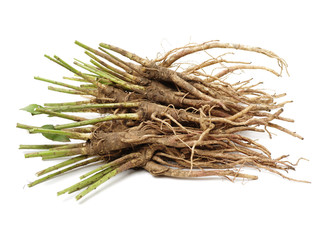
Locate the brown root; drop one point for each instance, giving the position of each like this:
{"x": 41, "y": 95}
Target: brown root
{"x": 175, "y": 123}
{"x": 172, "y": 56}
{"x": 160, "y": 170}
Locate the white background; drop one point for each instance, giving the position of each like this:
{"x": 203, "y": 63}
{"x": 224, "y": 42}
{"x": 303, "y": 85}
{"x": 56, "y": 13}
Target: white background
{"x": 135, "y": 204}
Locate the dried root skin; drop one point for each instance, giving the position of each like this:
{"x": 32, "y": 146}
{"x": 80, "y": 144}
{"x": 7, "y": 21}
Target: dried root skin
{"x": 172, "y": 56}
{"x": 160, "y": 170}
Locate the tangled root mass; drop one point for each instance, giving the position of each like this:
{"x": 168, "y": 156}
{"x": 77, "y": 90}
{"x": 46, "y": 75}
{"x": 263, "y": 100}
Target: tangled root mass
{"x": 171, "y": 121}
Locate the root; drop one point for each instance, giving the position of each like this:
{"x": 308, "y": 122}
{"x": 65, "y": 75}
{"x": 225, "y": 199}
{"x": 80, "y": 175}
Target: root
{"x": 172, "y": 56}
{"x": 160, "y": 170}
{"x": 240, "y": 67}
{"x": 175, "y": 123}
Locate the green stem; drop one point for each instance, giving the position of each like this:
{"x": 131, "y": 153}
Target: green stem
{"x": 96, "y": 170}
{"x": 75, "y": 79}
{"x": 122, "y": 83}
{"x": 66, "y": 103}
{"x": 87, "y": 77}
{"x": 67, "y": 146}
{"x": 85, "y": 183}
{"x": 62, "y": 171}
{"x": 62, "y": 164}
{"x": 61, "y": 115}
{"x": 54, "y": 60}
{"x": 46, "y": 146}
{"x": 88, "y": 86}
{"x": 108, "y": 68}
{"x": 135, "y": 79}
{"x": 70, "y": 68}
{"x": 55, "y": 153}
{"x": 68, "y": 108}
{"x": 73, "y": 135}
{"x": 102, "y": 68}
{"x": 110, "y": 73}
{"x": 130, "y": 116}
{"x": 23, "y": 126}
{"x": 97, "y": 184}
{"x": 66, "y": 65}
{"x": 63, "y": 84}
{"x": 90, "y": 75}
{"x": 95, "y": 70}
{"x": 107, "y": 57}
{"x": 68, "y": 91}
{"x": 115, "y": 163}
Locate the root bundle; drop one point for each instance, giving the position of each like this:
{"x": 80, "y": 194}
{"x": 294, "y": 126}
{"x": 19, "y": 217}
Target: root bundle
{"x": 156, "y": 115}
